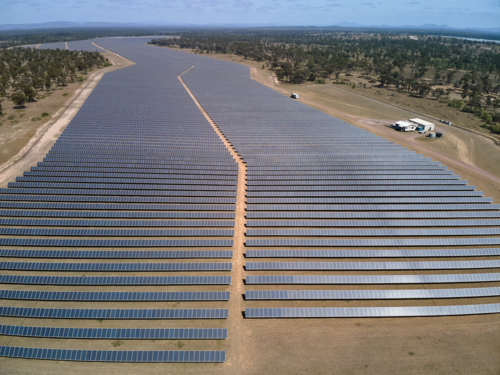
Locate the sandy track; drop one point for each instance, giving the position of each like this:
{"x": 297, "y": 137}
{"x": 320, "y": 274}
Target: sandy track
{"x": 235, "y": 356}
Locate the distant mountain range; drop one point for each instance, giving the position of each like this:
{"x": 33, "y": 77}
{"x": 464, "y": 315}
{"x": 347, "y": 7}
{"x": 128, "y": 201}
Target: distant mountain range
{"x": 64, "y": 24}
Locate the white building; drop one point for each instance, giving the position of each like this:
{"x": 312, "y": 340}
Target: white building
{"x": 422, "y": 124}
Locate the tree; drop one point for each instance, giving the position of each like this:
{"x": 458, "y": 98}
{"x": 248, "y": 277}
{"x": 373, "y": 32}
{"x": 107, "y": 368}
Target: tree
{"x": 48, "y": 83}
{"x": 438, "y": 93}
{"x": 29, "y": 93}
{"x": 18, "y": 98}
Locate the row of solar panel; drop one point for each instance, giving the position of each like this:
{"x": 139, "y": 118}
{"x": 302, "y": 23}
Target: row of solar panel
{"x": 427, "y": 253}
{"x": 375, "y": 266}
{"x": 374, "y": 207}
{"x": 373, "y": 215}
{"x": 116, "y": 254}
{"x": 439, "y": 175}
{"x": 138, "y": 181}
{"x": 112, "y": 243}
{"x": 419, "y": 193}
{"x": 115, "y": 267}
{"x": 366, "y": 243}
{"x": 125, "y": 223}
{"x": 354, "y": 187}
{"x": 113, "y": 355}
{"x": 370, "y": 294}
{"x": 118, "y": 199}
{"x": 370, "y": 312}
{"x": 365, "y": 232}
{"x": 117, "y": 333}
{"x": 363, "y": 223}
{"x": 115, "y": 280}
{"x": 371, "y": 279}
{"x": 350, "y": 200}
{"x": 130, "y": 172}
{"x": 125, "y": 215}
{"x": 113, "y": 296}
{"x": 57, "y": 185}
{"x": 123, "y": 206}
{"x": 141, "y": 163}
{"x": 117, "y": 232}
{"x": 364, "y": 180}
{"x": 150, "y": 194}
{"x": 112, "y": 314}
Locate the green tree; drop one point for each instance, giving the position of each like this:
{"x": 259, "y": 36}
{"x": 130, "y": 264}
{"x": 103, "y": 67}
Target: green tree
{"x": 438, "y": 93}
{"x": 18, "y": 98}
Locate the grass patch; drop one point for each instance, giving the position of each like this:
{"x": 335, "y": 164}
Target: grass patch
{"x": 36, "y": 118}
{"x": 117, "y": 343}
{"x": 411, "y": 353}
{"x": 180, "y": 344}
{"x": 65, "y": 94}
{"x": 11, "y": 117}
{"x": 15, "y": 121}
{"x": 41, "y": 97}
{"x": 45, "y": 114}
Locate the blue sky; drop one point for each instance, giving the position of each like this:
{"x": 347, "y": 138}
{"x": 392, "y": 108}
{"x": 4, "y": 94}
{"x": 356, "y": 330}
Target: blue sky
{"x": 454, "y": 13}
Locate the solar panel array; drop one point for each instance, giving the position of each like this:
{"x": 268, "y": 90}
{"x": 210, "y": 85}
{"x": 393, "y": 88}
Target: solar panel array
{"x": 138, "y": 179}
{"x": 319, "y": 187}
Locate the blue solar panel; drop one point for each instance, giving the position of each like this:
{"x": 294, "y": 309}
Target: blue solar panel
{"x": 113, "y": 355}
{"x": 114, "y": 314}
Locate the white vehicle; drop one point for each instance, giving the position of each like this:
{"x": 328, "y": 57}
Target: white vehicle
{"x": 294, "y": 96}
{"x": 422, "y": 131}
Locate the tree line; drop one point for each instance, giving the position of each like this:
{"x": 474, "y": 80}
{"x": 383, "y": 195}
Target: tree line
{"x": 389, "y": 59}
{"x": 24, "y": 71}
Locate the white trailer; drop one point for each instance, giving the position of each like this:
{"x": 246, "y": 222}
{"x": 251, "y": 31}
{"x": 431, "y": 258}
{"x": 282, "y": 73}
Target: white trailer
{"x": 404, "y": 126}
{"x": 422, "y": 125}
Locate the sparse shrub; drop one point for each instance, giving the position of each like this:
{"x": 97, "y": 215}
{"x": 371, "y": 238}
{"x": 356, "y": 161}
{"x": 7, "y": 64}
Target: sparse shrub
{"x": 65, "y": 94}
{"x": 45, "y": 114}
{"x": 36, "y": 118}
{"x": 11, "y": 117}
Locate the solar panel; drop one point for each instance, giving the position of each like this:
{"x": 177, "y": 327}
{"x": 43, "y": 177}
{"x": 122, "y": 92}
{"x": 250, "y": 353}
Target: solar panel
{"x": 118, "y": 223}
{"x": 116, "y": 267}
{"x": 113, "y": 243}
{"x": 369, "y": 223}
{"x": 471, "y": 241}
{"x": 372, "y": 279}
{"x": 117, "y": 232}
{"x": 370, "y": 312}
{"x": 117, "y": 333}
{"x": 116, "y": 254}
{"x": 114, "y": 314}
{"x": 113, "y": 355}
{"x": 423, "y": 253}
{"x": 370, "y": 294}
{"x": 115, "y": 280}
{"x": 283, "y": 266}
{"x": 113, "y": 296}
